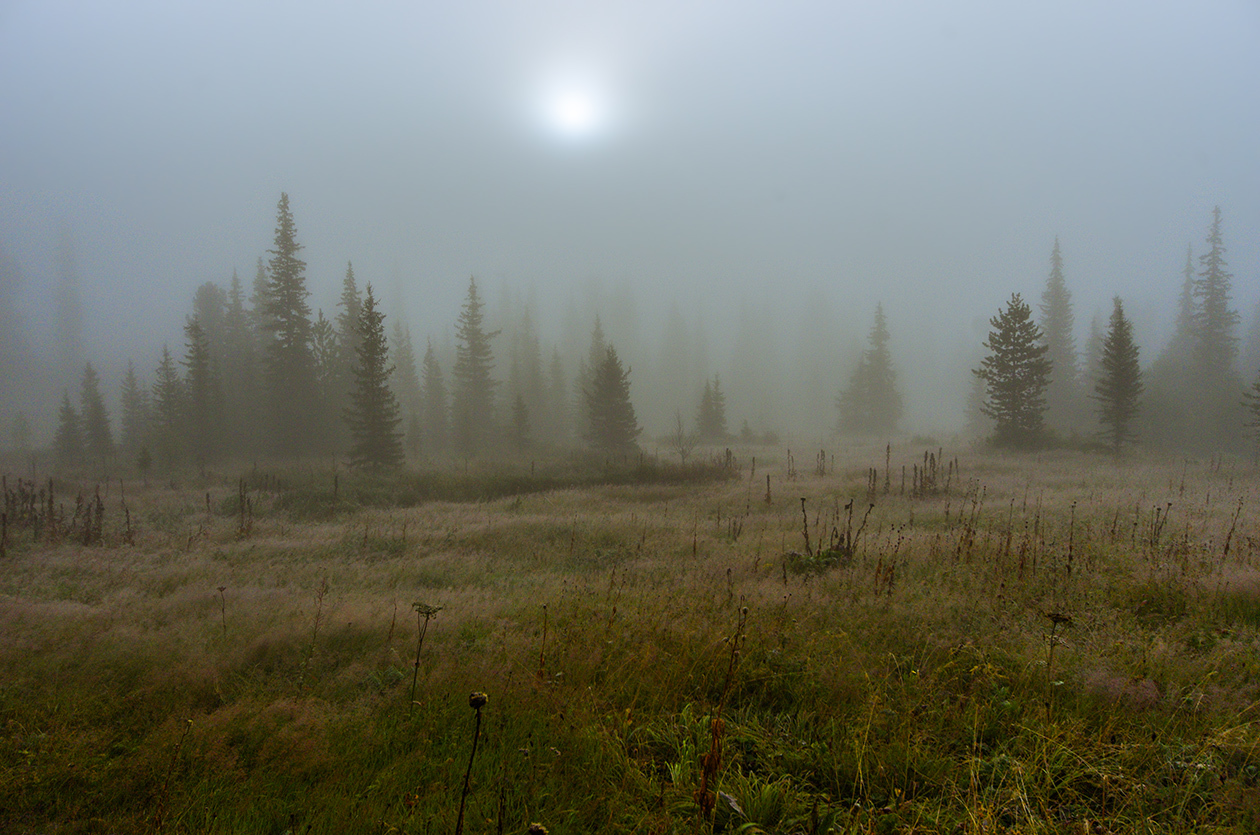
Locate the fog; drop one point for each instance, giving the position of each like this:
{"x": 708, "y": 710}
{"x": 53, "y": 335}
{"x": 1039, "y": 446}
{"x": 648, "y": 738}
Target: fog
{"x": 745, "y": 179}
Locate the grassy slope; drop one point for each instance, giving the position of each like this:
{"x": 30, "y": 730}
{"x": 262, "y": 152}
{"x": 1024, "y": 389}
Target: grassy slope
{"x": 905, "y": 684}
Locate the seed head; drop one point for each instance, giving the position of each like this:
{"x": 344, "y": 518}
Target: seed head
{"x": 478, "y": 700}
{"x": 537, "y": 829}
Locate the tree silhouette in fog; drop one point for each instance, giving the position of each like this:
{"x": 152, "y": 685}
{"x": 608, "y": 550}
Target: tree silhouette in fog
{"x": 610, "y": 419}
{"x": 472, "y": 387}
{"x": 1016, "y": 373}
{"x": 286, "y": 318}
{"x": 871, "y": 403}
{"x": 1119, "y": 385}
{"x": 373, "y": 414}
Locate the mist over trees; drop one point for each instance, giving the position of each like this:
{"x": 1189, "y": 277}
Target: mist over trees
{"x": 264, "y": 372}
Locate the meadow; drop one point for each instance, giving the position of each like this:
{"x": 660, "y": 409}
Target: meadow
{"x": 904, "y": 639}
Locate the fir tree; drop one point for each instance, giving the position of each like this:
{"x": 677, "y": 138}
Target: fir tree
{"x": 202, "y": 422}
{"x": 434, "y": 400}
{"x": 595, "y": 355}
{"x": 239, "y": 375}
{"x": 1167, "y": 417}
{"x": 872, "y": 403}
{"x": 405, "y": 382}
{"x": 1216, "y": 381}
{"x": 327, "y": 426}
{"x": 711, "y": 414}
{"x": 472, "y": 400}
{"x": 98, "y": 441}
{"x": 348, "y": 319}
{"x": 290, "y": 366}
{"x": 373, "y": 415}
{"x": 68, "y": 442}
{"x": 1016, "y": 373}
{"x": 1120, "y": 382}
{"x": 610, "y": 418}
{"x": 168, "y": 412}
{"x": 1057, "y": 327}
{"x": 135, "y": 412}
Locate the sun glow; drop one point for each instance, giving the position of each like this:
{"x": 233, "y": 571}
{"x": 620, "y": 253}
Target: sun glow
{"x": 574, "y": 113}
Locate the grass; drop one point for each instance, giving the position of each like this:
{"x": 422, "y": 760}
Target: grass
{"x": 189, "y": 675}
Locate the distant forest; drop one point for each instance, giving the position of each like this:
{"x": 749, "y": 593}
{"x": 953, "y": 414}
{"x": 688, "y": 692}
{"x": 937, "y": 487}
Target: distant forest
{"x": 259, "y": 374}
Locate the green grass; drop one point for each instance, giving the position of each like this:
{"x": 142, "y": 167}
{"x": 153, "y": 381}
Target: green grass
{"x": 908, "y": 687}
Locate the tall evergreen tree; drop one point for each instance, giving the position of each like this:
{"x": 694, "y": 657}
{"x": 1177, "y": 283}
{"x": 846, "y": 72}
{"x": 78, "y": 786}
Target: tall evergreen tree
{"x": 98, "y": 440}
{"x": 290, "y": 364}
{"x": 68, "y": 442}
{"x": 1015, "y": 372}
{"x": 135, "y": 412}
{"x": 239, "y": 375}
{"x": 596, "y": 352}
{"x": 1119, "y": 386}
{"x": 168, "y": 412}
{"x": 872, "y": 403}
{"x": 472, "y": 395}
{"x": 373, "y": 415}
{"x": 202, "y": 399}
{"x": 1168, "y": 412}
{"x": 610, "y": 419}
{"x": 328, "y": 429}
{"x": 711, "y": 414}
{"x": 1063, "y": 396}
{"x": 405, "y": 382}
{"x": 434, "y": 400}
{"x": 1216, "y": 380}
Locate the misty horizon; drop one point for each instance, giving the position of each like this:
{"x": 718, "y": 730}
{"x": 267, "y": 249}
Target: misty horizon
{"x": 773, "y": 173}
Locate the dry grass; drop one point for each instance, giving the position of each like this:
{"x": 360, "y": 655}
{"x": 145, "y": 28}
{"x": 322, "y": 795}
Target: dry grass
{"x": 904, "y": 687}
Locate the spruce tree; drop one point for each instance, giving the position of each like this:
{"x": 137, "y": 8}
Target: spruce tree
{"x": 711, "y": 413}
{"x": 595, "y": 355}
{"x": 610, "y": 419}
{"x": 472, "y": 387}
{"x": 1215, "y": 379}
{"x": 407, "y": 387}
{"x": 434, "y": 400}
{"x": 68, "y": 442}
{"x": 872, "y": 403}
{"x": 1058, "y": 327}
{"x": 373, "y": 415}
{"x": 287, "y": 319}
{"x": 328, "y": 429}
{"x": 1016, "y": 373}
{"x": 168, "y": 412}
{"x": 135, "y": 412}
{"x": 239, "y": 375}
{"x": 1168, "y": 412}
{"x": 1119, "y": 386}
{"x": 98, "y": 441}
{"x": 202, "y": 399}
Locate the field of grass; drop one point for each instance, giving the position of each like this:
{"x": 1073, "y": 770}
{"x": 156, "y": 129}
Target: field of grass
{"x": 891, "y": 641}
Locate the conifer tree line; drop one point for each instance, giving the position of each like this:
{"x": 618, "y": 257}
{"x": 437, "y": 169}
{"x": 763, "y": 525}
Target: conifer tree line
{"x": 261, "y": 373}
{"x": 268, "y": 377}
{"x": 1034, "y": 390}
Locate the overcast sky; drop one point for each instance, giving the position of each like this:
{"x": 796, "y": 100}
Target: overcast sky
{"x": 924, "y": 154}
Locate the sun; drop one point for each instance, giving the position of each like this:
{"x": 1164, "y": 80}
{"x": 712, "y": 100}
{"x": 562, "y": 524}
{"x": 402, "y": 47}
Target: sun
{"x": 574, "y": 113}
